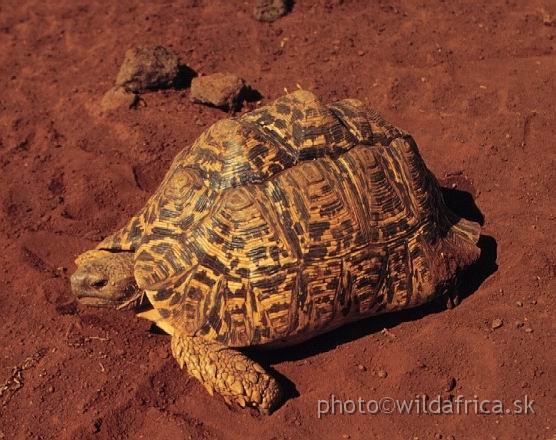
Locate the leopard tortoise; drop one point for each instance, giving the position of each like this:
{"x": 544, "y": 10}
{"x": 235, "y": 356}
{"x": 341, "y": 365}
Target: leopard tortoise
{"x": 277, "y": 226}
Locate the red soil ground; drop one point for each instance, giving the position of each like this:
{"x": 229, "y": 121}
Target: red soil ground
{"x": 474, "y": 82}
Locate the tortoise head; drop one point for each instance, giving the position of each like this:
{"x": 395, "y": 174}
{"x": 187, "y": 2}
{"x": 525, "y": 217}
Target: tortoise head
{"x": 105, "y": 279}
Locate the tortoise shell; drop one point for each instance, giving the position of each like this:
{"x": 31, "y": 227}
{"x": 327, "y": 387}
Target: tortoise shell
{"x": 292, "y": 220}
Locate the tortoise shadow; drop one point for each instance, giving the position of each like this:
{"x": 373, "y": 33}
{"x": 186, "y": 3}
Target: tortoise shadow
{"x": 462, "y": 204}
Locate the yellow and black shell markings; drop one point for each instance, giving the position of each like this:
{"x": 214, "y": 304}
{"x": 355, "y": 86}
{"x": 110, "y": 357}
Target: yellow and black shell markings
{"x": 292, "y": 220}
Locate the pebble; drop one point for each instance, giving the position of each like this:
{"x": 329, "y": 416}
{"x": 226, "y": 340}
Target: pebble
{"x": 118, "y": 97}
{"x": 361, "y": 367}
{"x": 528, "y": 330}
{"x": 388, "y": 333}
{"x": 497, "y": 323}
{"x": 148, "y": 68}
{"x": 519, "y": 303}
{"x": 519, "y": 324}
{"x": 223, "y": 90}
{"x": 382, "y": 374}
{"x": 547, "y": 19}
{"x": 270, "y": 10}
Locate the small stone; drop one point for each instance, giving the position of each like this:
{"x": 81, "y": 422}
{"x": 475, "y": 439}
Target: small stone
{"x": 361, "y": 367}
{"x": 118, "y": 97}
{"x": 519, "y": 303}
{"x": 50, "y": 389}
{"x": 270, "y": 10}
{"x": 528, "y": 330}
{"x": 497, "y": 323}
{"x": 450, "y": 384}
{"x": 519, "y": 324}
{"x": 219, "y": 89}
{"x": 547, "y": 19}
{"x": 360, "y": 53}
{"x": 148, "y": 68}
{"x": 382, "y": 374}
{"x": 346, "y": 436}
{"x": 388, "y": 333}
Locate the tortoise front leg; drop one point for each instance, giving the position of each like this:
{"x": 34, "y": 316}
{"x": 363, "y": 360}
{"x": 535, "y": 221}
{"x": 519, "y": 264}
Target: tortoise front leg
{"x": 227, "y": 372}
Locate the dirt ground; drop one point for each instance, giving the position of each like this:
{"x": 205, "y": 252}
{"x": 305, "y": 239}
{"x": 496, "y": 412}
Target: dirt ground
{"x": 474, "y": 82}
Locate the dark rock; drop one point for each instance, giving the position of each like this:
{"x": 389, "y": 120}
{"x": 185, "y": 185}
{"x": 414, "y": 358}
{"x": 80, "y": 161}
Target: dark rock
{"x": 148, "y": 68}
{"x": 270, "y": 10}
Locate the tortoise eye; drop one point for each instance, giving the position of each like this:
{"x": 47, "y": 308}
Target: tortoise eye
{"x": 99, "y": 284}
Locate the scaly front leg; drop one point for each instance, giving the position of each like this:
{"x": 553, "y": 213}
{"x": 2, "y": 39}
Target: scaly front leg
{"x": 227, "y": 372}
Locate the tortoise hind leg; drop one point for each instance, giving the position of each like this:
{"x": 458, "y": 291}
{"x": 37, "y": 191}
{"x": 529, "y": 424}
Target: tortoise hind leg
{"x": 459, "y": 251}
{"x": 227, "y": 372}
{"x": 466, "y": 234}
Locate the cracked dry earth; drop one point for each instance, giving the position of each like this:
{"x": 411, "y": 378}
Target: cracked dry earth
{"x": 473, "y": 81}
